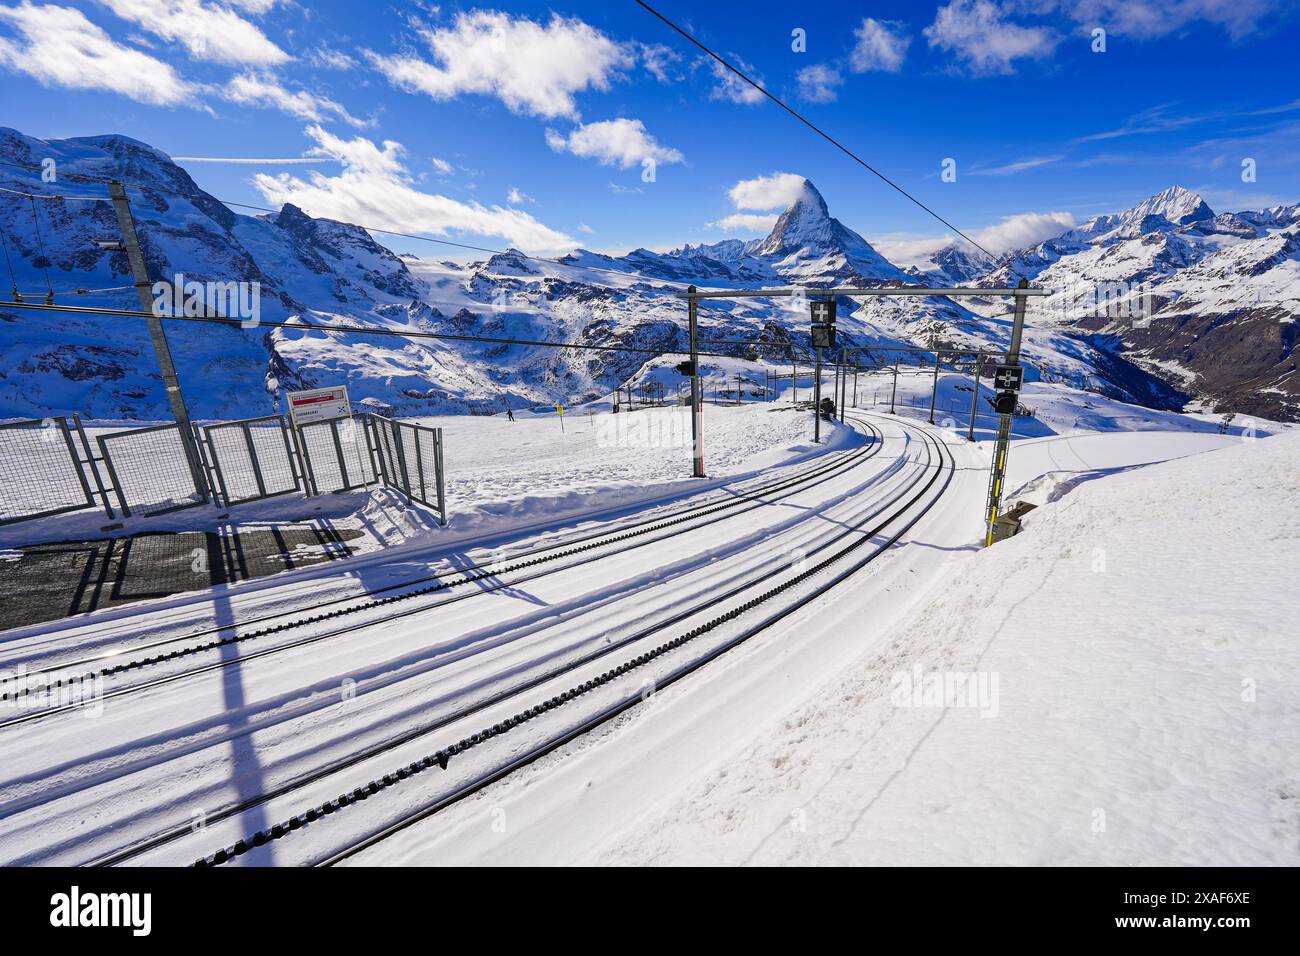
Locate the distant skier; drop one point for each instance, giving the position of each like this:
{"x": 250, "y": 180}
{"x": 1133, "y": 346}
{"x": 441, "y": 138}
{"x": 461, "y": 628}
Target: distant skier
{"x": 510, "y": 414}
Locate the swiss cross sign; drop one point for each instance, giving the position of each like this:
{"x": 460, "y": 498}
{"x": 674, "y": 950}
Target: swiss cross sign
{"x": 823, "y": 313}
{"x": 318, "y": 404}
{"x": 1008, "y": 378}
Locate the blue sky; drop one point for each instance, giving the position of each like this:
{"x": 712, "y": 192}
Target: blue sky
{"x": 525, "y": 124}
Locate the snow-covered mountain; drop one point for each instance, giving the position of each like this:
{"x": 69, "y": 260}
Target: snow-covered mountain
{"x": 331, "y": 274}
{"x": 1206, "y": 301}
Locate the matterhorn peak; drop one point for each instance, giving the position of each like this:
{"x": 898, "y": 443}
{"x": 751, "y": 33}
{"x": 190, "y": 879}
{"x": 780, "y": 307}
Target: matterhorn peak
{"x": 806, "y": 221}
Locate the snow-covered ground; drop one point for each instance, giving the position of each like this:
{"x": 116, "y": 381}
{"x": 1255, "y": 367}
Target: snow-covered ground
{"x": 1128, "y": 657}
{"x": 1122, "y": 690}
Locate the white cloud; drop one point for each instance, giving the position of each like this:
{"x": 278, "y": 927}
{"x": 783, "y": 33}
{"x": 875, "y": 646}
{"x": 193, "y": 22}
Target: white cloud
{"x": 1019, "y": 166}
{"x": 583, "y": 227}
{"x": 618, "y": 142}
{"x": 249, "y": 89}
{"x": 746, "y": 222}
{"x": 882, "y": 45}
{"x": 375, "y": 188}
{"x": 761, "y": 196}
{"x": 1023, "y": 229}
{"x": 662, "y": 62}
{"x": 517, "y": 197}
{"x": 441, "y": 165}
{"x": 976, "y": 31}
{"x": 208, "y": 31}
{"x": 1147, "y": 19}
{"x": 60, "y": 47}
{"x": 1013, "y": 232}
{"x": 533, "y": 69}
{"x": 817, "y": 83}
{"x": 767, "y": 192}
{"x": 331, "y": 59}
{"x": 732, "y": 88}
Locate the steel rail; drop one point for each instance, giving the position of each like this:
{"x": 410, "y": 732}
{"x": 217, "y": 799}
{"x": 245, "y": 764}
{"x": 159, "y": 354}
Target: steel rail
{"x": 282, "y": 829}
{"x": 492, "y": 568}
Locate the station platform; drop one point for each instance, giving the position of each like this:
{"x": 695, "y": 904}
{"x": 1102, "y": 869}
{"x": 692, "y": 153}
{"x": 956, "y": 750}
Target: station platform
{"x": 47, "y": 582}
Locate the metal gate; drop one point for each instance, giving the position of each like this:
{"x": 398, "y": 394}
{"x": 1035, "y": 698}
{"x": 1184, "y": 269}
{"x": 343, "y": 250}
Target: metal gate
{"x": 150, "y": 470}
{"x": 336, "y": 455}
{"x": 410, "y": 460}
{"x": 250, "y": 459}
{"x": 40, "y": 471}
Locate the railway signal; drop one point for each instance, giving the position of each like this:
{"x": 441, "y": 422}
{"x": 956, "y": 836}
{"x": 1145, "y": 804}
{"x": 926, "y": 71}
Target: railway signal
{"x": 823, "y": 324}
{"x": 1008, "y": 376}
{"x": 823, "y": 337}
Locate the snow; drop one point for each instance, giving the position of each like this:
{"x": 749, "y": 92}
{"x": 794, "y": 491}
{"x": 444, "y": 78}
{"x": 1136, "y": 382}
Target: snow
{"x": 505, "y": 476}
{"x": 1143, "y": 708}
{"x": 1109, "y": 641}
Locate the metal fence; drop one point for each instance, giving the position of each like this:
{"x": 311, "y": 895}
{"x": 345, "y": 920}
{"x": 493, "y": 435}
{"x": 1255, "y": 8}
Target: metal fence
{"x": 410, "y": 460}
{"x": 337, "y": 455}
{"x": 40, "y": 470}
{"x": 250, "y": 459}
{"x": 46, "y": 469}
{"x": 150, "y": 471}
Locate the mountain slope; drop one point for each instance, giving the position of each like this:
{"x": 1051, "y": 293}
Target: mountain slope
{"x": 333, "y": 274}
{"x": 1207, "y": 302}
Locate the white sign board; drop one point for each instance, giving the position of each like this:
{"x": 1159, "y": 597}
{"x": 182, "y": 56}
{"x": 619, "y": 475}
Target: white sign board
{"x": 319, "y": 404}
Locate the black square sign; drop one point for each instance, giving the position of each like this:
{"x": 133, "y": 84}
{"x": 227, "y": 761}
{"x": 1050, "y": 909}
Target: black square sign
{"x": 1008, "y": 378}
{"x": 823, "y": 312}
{"x": 823, "y": 336}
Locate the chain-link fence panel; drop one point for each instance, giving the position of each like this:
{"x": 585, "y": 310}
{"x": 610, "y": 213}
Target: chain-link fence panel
{"x": 40, "y": 471}
{"x": 150, "y": 470}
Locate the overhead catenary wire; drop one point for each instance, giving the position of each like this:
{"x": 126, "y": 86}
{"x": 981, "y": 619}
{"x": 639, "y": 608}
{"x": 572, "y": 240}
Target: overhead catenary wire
{"x": 355, "y": 329}
{"x": 373, "y": 229}
{"x": 813, "y": 126}
{"x": 52, "y": 197}
{"x": 36, "y": 223}
{"x": 86, "y": 177}
{"x": 9, "y": 264}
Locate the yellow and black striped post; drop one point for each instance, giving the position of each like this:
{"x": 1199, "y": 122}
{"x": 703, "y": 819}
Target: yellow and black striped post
{"x": 998, "y": 468}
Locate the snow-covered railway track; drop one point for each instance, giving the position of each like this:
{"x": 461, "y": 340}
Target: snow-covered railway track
{"x": 579, "y": 705}
{"x": 46, "y": 651}
{"x": 374, "y": 608}
{"x": 83, "y": 787}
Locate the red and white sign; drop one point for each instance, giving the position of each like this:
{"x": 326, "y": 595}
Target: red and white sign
{"x": 319, "y": 404}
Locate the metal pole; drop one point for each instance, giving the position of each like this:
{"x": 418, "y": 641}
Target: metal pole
{"x": 975, "y": 393}
{"x": 794, "y": 382}
{"x": 835, "y": 380}
{"x": 817, "y": 400}
{"x": 697, "y": 397}
{"x": 143, "y": 291}
{"x": 893, "y": 393}
{"x": 934, "y": 391}
{"x": 998, "y": 470}
{"x": 844, "y": 383}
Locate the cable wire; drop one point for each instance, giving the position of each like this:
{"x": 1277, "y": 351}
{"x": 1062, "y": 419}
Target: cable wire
{"x": 36, "y": 222}
{"x": 815, "y": 128}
